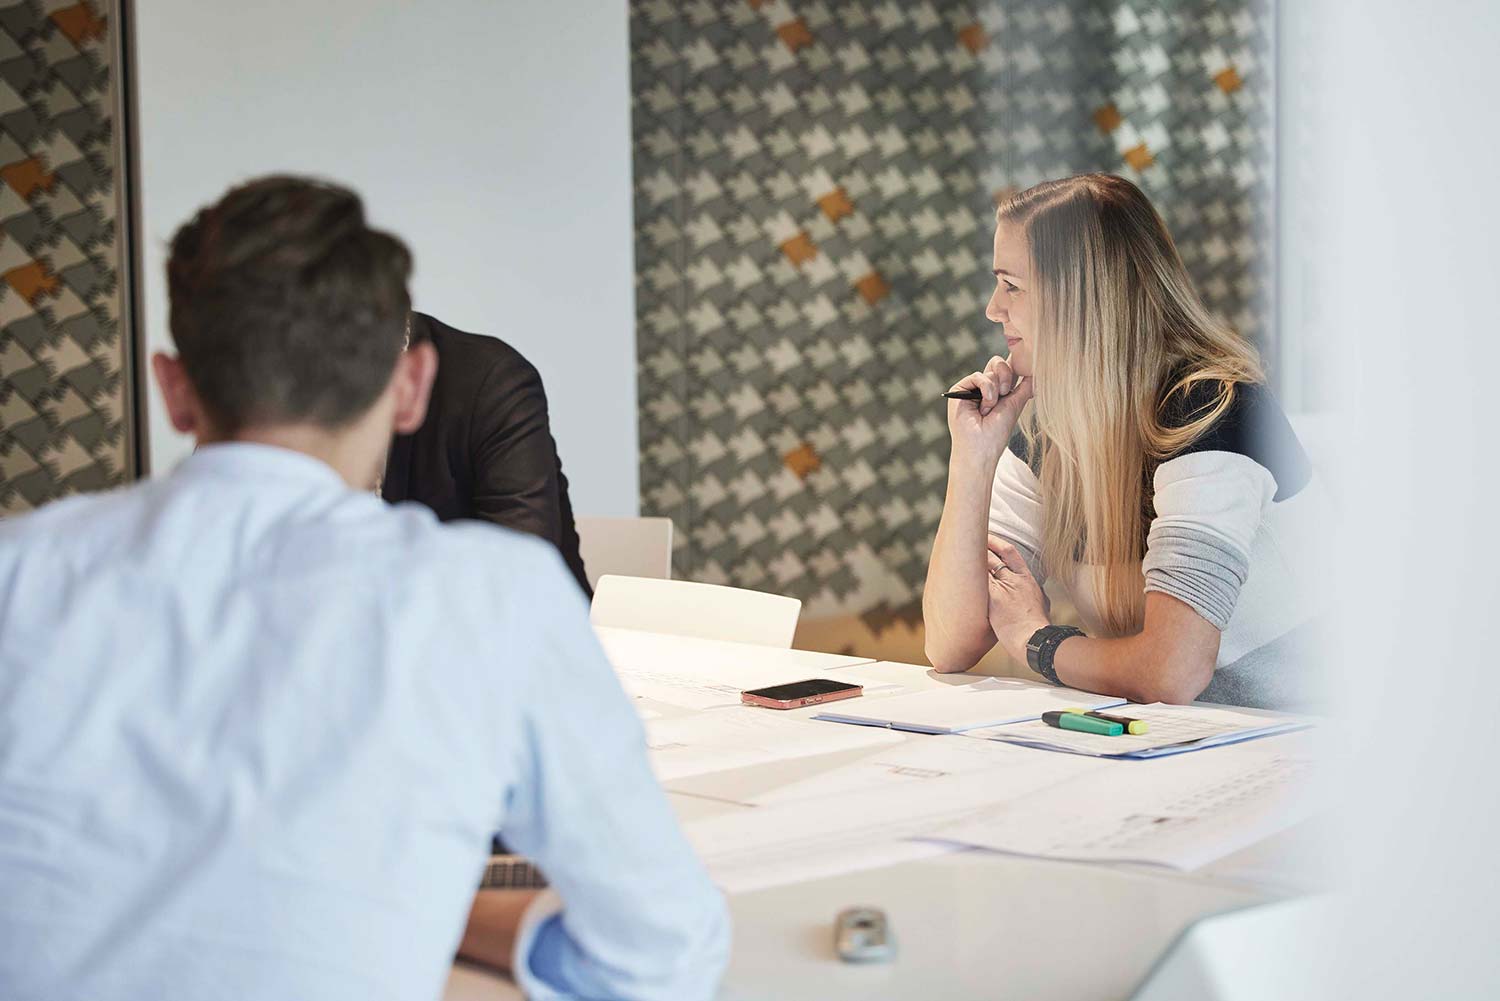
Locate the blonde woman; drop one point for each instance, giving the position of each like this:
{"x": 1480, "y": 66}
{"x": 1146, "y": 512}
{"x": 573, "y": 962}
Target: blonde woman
{"x": 1153, "y": 475}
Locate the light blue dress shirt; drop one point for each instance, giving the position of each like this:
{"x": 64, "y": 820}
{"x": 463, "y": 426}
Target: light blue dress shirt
{"x": 257, "y": 728}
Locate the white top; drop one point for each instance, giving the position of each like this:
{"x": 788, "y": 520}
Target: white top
{"x": 256, "y": 732}
{"x": 1236, "y": 535}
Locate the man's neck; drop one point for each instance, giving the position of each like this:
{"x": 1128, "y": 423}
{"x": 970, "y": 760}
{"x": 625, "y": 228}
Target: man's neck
{"x": 357, "y": 454}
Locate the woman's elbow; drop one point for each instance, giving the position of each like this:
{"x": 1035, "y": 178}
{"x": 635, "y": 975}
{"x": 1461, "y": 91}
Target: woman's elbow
{"x": 943, "y": 662}
{"x": 948, "y": 667}
{"x": 944, "y": 658}
{"x": 1180, "y": 684}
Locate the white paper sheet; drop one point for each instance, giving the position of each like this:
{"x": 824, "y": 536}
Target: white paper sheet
{"x": 990, "y": 702}
{"x": 682, "y": 690}
{"x": 722, "y": 739}
{"x": 1182, "y": 812}
{"x": 890, "y": 769}
{"x": 1174, "y": 730}
{"x": 844, "y": 830}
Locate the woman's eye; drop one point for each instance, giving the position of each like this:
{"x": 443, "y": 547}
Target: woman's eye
{"x": 1011, "y": 288}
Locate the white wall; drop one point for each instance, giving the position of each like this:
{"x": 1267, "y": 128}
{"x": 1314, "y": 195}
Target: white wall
{"x": 494, "y": 137}
{"x": 1401, "y": 129}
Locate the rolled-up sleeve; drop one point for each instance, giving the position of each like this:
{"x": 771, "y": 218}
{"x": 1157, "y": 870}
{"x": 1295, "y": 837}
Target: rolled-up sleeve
{"x": 632, "y": 913}
{"x": 1209, "y": 506}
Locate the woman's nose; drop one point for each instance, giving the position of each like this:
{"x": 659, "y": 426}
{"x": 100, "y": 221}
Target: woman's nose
{"x": 996, "y": 310}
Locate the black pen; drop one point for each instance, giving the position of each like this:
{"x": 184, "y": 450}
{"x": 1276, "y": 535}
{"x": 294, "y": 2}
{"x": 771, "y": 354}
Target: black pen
{"x": 971, "y": 394}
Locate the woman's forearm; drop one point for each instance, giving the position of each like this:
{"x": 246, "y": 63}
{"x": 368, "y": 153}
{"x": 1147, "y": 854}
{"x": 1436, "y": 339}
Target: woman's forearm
{"x": 1170, "y": 660}
{"x": 955, "y": 602}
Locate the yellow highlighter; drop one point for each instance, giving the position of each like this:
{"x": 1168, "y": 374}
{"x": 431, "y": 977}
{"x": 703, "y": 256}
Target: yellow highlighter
{"x": 1134, "y": 727}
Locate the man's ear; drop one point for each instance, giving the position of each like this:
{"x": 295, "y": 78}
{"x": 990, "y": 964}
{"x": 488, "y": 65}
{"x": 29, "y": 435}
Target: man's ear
{"x": 183, "y": 407}
{"x": 415, "y": 370}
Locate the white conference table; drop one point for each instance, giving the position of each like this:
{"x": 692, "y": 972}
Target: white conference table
{"x": 967, "y": 924}
{"x": 690, "y": 655}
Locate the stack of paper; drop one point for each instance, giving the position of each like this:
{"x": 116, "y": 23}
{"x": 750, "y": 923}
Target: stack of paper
{"x": 991, "y": 702}
{"x": 1173, "y": 730}
{"x": 1181, "y": 812}
{"x": 867, "y": 826}
{"x": 721, "y": 739}
{"x": 892, "y": 770}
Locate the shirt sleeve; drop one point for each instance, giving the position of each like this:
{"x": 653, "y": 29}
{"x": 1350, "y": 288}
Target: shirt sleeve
{"x": 518, "y": 481}
{"x": 632, "y": 913}
{"x": 1016, "y": 510}
{"x": 1209, "y": 506}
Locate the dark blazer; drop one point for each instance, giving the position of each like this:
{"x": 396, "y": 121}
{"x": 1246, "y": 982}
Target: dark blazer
{"x": 485, "y": 450}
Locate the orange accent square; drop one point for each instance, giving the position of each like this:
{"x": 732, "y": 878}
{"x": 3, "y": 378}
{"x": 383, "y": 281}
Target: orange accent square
{"x": 795, "y": 34}
{"x": 1139, "y": 157}
{"x": 1108, "y": 118}
{"x": 836, "y": 205}
{"x": 79, "y": 23}
{"x": 973, "y": 38}
{"x": 25, "y": 176}
{"x": 756, "y": 4}
{"x": 803, "y": 461}
{"x": 873, "y": 287}
{"x": 799, "y": 248}
{"x": 32, "y": 281}
{"x": 1229, "y": 80}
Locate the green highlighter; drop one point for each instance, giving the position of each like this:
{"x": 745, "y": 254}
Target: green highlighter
{"x": 1083, "y": 724}
{"x": 1134, "y": 727}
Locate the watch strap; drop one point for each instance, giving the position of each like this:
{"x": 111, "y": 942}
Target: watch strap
{"x": 1043, "y": 645}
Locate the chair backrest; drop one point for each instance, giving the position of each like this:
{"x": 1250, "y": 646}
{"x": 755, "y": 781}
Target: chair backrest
{"x": 633, "y": 547}
{"x": 686, "y": 608}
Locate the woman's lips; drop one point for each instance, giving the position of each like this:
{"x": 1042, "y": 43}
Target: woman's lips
{"x": 1012, "y": 341}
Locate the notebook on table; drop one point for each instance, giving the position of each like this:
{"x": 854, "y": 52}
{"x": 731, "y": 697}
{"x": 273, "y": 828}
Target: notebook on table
{"x": 511, "y": 872}
{"x": 1173, "y": 730}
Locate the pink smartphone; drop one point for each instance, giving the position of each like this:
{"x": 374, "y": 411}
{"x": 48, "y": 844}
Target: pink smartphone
{"x": 801, "y": 693}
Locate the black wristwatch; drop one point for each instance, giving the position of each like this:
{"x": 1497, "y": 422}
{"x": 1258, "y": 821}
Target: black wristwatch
{"x": 1043, "y": 644}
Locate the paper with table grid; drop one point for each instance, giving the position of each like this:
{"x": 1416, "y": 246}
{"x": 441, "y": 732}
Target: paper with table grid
{"x": 1180, "y": 812}
{"x": 1174, "y": 730}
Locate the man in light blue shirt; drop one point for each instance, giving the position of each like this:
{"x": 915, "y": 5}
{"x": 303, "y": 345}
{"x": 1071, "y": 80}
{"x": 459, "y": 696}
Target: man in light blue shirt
{"x": 257, "y": 727}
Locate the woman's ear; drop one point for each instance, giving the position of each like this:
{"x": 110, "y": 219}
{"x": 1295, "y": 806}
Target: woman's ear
{"x": 183, "y": 407}
{"x": 415, "y": 370}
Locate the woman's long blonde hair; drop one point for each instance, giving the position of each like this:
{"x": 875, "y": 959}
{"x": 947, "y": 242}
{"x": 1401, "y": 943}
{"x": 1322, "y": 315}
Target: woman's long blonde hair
{"x": 1119, "y": 334}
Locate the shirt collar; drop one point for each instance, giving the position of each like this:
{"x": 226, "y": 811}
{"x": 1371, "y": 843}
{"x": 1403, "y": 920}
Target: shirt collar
{"x": 254, "y": 462}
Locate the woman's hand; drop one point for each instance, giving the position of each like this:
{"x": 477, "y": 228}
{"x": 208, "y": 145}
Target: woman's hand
{"x": 1018, "y": 606}
{"x": 982, "y": 428}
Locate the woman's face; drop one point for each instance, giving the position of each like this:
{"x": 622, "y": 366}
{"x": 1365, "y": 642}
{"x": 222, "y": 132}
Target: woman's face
{"x": 1011, "y": 305}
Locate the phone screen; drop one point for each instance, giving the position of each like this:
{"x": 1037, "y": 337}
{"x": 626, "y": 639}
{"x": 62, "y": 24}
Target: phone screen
{"x": 802, "y": 689}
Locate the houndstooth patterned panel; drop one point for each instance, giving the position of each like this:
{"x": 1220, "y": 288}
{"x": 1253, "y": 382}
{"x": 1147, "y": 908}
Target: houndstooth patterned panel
{"x": 815, "y": 187}
{"x": 61, "y": 353}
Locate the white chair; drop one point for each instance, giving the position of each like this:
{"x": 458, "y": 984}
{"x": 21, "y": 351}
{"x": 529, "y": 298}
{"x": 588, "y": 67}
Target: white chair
{"x": 633, "y": 547}
{"x": 686, "y": 608}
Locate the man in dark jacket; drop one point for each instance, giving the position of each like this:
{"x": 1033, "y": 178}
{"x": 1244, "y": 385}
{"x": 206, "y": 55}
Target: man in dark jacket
{"x": 485, "y": 450}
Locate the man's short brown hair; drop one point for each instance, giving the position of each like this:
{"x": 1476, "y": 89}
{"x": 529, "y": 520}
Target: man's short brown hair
{"x": 286, "y": 307}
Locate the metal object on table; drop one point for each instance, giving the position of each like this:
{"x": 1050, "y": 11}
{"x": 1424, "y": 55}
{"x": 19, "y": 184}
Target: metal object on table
{"x": 862, "y": 935}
